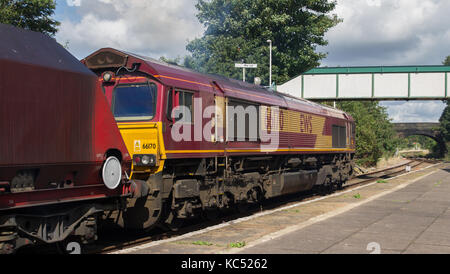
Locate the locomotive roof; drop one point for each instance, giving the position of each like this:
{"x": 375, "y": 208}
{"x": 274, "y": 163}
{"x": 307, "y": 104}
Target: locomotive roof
{"x": 170, "y": 68}
{"x": 34, "y": 48}
{"x": 182, "y": 77}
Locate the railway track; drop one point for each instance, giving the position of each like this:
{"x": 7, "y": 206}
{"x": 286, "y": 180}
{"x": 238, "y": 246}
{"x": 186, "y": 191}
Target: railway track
{"x": 114, "y": 239}
{"x": 273, "y": 204}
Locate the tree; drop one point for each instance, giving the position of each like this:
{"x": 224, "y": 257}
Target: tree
{"x": 444, "y": 127}
{"x": 171, "y": 61}
{"x": 238, "y": 30}
{"x": 424, "y": 142}
{"x": 447, "y": 61}
{"x": 29, "y": 14}
{"x": 444, "y": 121}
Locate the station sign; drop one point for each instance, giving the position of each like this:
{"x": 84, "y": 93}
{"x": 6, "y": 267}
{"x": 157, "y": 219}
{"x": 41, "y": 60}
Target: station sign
{"x": 246, "y": 65}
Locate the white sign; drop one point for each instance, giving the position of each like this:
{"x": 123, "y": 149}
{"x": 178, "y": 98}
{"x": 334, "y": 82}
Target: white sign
{"x": 246, "y": 65}
{"x": 137, "y": 145}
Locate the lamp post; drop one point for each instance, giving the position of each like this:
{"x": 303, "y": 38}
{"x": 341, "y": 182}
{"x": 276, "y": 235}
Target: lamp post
{"x": 270, "y": 64}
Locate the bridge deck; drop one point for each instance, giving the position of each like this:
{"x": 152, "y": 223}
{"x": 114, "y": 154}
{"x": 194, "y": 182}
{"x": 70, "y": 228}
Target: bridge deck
{"x": 408, "y": 129}
{"x": 371, "y": 83}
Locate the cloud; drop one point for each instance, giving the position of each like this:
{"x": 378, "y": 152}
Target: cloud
{"x": 74, "y": 3}
{"x": 392, "y": 33}
{"x": 153, "y": 28}
{"x": 389, "y": 32}
{"x": 415, "y": 111}
{"x": 374, "y": 32}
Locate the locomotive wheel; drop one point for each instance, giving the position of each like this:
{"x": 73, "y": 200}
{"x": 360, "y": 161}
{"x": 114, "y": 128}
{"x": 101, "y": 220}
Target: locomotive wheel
{"x": 143, "y": 213}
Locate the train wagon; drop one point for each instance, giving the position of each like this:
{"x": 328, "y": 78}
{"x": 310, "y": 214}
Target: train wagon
{"x": 62, "y": 157}
{"x": 203, "y": 143}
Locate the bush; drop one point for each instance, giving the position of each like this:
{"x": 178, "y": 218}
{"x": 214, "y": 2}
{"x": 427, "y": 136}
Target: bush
{"x": 375, "y": 135}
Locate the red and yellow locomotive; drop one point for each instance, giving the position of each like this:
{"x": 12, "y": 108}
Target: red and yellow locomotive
{"x": 201, "y": 143}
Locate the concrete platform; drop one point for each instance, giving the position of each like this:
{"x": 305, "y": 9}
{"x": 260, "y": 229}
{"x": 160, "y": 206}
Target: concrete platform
{"x": 408, "y": 214}
{"x": 415, "y": 219}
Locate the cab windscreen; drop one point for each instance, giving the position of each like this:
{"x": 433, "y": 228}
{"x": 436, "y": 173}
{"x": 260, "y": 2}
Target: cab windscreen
{"x": 134, "y": 102}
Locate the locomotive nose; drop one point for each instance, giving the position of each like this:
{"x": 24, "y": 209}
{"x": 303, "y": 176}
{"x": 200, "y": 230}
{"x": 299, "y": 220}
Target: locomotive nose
{"x": 145, "y": 146}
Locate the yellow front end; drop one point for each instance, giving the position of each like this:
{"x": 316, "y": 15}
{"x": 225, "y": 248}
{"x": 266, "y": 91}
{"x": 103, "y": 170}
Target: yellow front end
{"x": 144, "y": 140}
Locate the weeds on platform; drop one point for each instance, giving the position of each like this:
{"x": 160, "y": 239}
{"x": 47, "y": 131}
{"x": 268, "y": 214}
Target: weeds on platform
{"x": 382, "y": 182}
{"x": 237, "y": 245}
{"x": 202, "y": 243}
{"x": 357, "y": 196}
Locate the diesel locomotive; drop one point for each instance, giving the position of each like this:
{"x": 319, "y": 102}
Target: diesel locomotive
{"x": 203, "y": 143}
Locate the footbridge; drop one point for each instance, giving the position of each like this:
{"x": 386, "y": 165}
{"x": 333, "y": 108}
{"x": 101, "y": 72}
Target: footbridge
{"x": 371, "y": 83}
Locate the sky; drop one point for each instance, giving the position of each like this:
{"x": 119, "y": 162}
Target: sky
{"x": 373, "y": 33}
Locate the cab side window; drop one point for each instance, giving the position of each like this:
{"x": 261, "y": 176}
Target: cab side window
{"x": 185, "y": 100}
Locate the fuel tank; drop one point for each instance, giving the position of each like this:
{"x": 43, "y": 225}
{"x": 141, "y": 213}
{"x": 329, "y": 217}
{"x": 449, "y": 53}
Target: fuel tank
{"x": 287, "y": 183}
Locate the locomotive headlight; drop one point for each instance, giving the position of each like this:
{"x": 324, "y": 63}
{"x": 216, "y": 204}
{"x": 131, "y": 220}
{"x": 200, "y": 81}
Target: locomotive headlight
{"x": 107, "y": 76}
{"x": 144, "y": 160}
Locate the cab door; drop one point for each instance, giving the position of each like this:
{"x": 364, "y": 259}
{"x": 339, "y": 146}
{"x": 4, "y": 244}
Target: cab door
{"x": 219, "y": 119}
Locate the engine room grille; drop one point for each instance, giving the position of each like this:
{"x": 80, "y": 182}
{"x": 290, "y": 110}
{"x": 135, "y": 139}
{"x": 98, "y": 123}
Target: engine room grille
{"x": 339, "y": 137}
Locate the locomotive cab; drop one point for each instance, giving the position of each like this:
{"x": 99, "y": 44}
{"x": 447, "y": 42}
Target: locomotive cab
{"x": 134, "y": 102}
{"x": 135, "y": 98}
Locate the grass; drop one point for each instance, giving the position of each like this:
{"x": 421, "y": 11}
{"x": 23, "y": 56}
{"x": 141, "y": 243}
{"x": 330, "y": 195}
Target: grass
{"x": 438, "y": 183}
{"x": 237, "y": 245}
{"x": 382, "y": 182}
{"x": 357, "y": 196}
{"x": 202, "y": 243}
